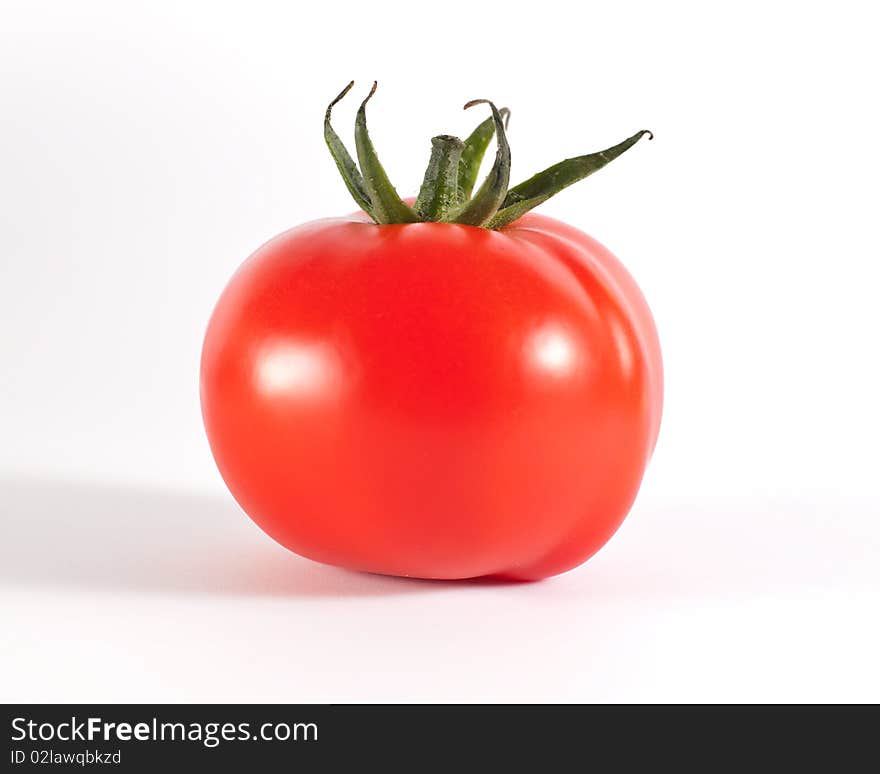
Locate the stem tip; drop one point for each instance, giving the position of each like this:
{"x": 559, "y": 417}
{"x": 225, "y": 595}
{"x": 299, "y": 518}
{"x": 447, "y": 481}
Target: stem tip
{"x": 370, "y": 95}
{"x": 339, "y": 97}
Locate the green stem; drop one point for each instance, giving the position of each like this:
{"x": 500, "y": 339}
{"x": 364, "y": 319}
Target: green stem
{"x": 387, "y": 206}
{"x": 445, "y": 193}
{"x": 539, "y": 188}
{"x": 486, "y": 201}
{"x": 438, "y": 195}
{"x": 351, "y": 176}
{"x": 474, "y": 150}
{"x": 553, "y": 179}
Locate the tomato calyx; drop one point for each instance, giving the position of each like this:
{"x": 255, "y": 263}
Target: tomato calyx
{"x": 446, "y": 191}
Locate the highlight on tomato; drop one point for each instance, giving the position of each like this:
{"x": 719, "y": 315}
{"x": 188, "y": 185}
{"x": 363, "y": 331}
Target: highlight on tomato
{"x": 447, "y": 387}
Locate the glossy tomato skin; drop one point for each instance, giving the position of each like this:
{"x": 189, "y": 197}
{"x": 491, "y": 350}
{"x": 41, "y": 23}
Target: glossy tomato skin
{"x": 434, "y": 400}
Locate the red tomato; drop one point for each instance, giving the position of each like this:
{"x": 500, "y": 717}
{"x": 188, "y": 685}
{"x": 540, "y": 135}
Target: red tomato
{"x": 434, "y": 400}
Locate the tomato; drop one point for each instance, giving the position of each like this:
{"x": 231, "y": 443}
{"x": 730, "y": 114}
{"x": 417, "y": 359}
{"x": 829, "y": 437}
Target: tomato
{"x": 444, "y": 387}
{"x": 434, "y": 400}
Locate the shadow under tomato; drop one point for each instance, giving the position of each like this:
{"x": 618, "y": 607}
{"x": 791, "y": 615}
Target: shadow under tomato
{"x": 57, "y": 536}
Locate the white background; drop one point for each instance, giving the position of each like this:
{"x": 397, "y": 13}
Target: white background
{"x": 147, "y": 148}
